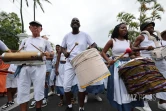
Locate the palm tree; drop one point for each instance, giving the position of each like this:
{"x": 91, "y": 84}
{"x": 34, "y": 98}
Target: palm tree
{"x": 22, "y": 21}
{"x": 129, "y": 19}
{"x": 156, "y": 8}
{"x": 155, "y": 11}
{"x": 134, "y": 23}
{"x": 35, "y": 6}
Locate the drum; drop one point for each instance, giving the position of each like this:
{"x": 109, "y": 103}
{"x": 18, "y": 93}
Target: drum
{"x": 89, "y": 67}
{"x": 22, "y": 57}
{"x": 141, "y": 76}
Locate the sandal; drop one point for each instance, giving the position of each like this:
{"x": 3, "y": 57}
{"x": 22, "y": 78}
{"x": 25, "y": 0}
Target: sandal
{"x": 60, "y": 103}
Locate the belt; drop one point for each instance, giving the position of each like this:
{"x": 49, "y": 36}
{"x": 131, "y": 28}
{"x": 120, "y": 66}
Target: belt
{"x": 62, "y": 62}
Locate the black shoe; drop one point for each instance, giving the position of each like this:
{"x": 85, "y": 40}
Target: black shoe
{"x": 7, "y": 105}
{"x": 81, "y": 110}
{"x": 12, "y": 102}
{"x": 69, "y": 109}
{"x": 44, "y": 102}
{"x": 33, "y": 104}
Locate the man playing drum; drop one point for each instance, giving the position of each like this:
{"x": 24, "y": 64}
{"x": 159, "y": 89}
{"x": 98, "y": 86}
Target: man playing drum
{"x": 34, "y": 73}
{"x": 69, "y": 41}
{"x": 145, "y": 44}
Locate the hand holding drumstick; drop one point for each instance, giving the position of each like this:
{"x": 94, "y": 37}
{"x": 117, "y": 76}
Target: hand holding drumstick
{"x": 67, "y": 54}
{"x": 5, "y": 71}
{"x": 128, "y": 50}
{"x": 47, "y": 54}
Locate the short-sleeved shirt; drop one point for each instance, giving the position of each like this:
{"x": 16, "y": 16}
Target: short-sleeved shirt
{"x": 3, "y": 47}
{"x": 12, "y": 68}
{"x": 39, "y": 42}
{"x": 83, "y": 40}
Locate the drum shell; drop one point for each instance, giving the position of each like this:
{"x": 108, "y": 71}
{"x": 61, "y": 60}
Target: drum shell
{"x": 141, "y": 76}
{"x": 89, "y": 67}
{"x": 22, "y": 56}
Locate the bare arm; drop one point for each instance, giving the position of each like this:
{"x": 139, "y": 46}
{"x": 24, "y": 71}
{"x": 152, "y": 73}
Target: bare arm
{"x": 136, "y": 45}
{"x": 106, "y": 48}
{"x": 57, "y": 62}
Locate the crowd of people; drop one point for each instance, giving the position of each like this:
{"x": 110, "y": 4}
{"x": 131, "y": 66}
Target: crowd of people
{"x": 57, "y": 75}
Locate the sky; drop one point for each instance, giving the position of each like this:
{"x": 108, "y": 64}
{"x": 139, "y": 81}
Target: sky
{"x": 96, "y": 17}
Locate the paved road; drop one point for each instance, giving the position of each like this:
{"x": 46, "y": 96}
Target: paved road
{"x": 91, "y": 105}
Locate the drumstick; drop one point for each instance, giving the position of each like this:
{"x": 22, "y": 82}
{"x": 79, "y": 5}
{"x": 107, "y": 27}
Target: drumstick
{"x": 37, "y": 48}
{"x": 128, "y": 50}
{"x": 73, "y": 48}
{"x": 159, "y": 47}
{"x": 7, "y": 71}
{"x": 20, "y": 49}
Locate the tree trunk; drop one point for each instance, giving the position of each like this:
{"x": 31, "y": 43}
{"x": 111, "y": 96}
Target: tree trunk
{"x": 21, "y": 17}
{"x": 34, "y": 5}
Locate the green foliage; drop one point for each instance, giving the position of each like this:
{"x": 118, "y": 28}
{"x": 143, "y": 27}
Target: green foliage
{"x": 133, "y": 23}
{"x": 10, "y": 26}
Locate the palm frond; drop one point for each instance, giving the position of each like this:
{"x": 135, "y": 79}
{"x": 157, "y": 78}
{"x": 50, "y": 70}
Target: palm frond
{"x": 48, "y": 1}
{"x": 27, "y": 3}
{"x": 38, "y": 2}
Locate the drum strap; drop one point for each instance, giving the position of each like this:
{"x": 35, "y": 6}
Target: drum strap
{"x": 122, "y": 59}
{"x": 18, "y": 69}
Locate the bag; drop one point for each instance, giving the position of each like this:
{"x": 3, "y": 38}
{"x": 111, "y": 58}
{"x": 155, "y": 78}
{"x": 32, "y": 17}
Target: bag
{"x": 157, "y": 54}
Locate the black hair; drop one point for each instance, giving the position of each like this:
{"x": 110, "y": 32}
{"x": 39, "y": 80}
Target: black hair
{"x": 115, "y": 32}
{"x": 57, "y": 45}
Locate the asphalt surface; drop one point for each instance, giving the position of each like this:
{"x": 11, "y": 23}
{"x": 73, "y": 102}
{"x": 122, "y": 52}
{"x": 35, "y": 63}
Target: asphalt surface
{"x": 91, "y": 105}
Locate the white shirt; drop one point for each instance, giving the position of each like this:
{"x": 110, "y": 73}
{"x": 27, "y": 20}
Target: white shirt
{"x": 3, "y": 47}
{"x": 119, "y": 47}
{"x": 12, "y": 68}
{"x": 81, "y": 38}
{"x": 145, "y": 43}
{"x": 39, "y": 42}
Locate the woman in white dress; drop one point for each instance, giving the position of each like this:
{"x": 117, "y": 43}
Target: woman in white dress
{"x": 116, "y": 90}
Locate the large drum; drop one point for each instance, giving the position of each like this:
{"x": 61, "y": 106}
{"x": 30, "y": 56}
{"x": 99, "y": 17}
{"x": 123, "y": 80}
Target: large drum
{"x": 141, "y": 76}
{"x": 22, "y": 57}
{"x": 89, "y": 67}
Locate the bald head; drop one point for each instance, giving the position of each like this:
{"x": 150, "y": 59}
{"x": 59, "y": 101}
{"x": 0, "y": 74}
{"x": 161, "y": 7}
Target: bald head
{"x": 75, "y": 23}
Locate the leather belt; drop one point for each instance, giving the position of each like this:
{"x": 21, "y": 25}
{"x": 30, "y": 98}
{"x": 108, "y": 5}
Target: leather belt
{"x": 62, "y": 62}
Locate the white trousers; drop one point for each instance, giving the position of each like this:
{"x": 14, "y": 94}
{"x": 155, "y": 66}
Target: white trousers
{"x": 69, "y": 76}
{"x": 28, "y": 74}
{"x": 11, "y": 82}
{"x": 161, "y": 65}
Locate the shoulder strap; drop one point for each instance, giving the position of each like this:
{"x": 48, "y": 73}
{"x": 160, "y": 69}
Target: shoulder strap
{"x": 155, "y": 40}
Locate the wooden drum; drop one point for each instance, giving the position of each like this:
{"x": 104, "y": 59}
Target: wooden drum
{"x": 89, "y": 67}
